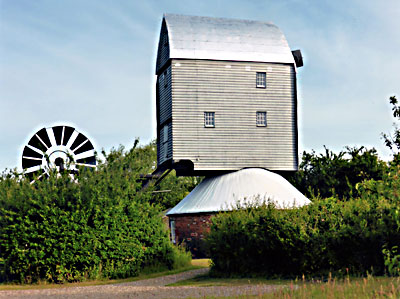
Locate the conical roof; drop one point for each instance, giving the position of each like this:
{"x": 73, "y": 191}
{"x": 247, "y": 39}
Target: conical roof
{"x": 224, "y": 192}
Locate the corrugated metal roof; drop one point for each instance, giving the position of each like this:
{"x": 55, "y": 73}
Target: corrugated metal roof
{"x": 222, "y": 193}
{"x": 196, "y": 37}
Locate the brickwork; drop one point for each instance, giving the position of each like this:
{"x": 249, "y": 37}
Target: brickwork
{"x": 191, "y": 230}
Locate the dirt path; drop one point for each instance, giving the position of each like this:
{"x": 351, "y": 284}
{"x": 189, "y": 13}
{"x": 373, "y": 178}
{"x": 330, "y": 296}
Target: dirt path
{"x": 148, "y": 288}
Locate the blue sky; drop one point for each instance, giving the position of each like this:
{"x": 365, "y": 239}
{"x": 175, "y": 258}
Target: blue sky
{"x": 90, "y": 64}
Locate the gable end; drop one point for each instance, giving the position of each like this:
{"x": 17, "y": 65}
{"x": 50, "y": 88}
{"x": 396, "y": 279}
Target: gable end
{"x": 163, "y": 48}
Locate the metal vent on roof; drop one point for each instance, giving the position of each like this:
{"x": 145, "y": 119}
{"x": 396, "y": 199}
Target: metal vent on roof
{"x": 298, "y": 58}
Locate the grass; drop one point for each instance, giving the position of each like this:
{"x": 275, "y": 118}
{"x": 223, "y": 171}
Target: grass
{"x": 207, "y": 281}
{"x": 204, "y": 263}
{"x": 195, "y": 264}
{"x": 369, "y": 287}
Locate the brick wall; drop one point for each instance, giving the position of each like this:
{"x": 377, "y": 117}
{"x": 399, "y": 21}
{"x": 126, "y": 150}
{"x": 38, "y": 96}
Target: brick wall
{"x": 191, "y": 230}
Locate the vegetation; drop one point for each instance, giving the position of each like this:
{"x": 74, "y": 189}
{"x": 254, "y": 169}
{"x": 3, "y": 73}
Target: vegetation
{"x": 171, "y": 190}
{"x": 368, "y": 287}
{"x": 210, "y": 281}
{"x": 101, "y": 225}
{"x": 347, "y": 287}
{"x": 392, "y": 141}
{"x": 336, "y": 175}
{"x": 327, "y": 236}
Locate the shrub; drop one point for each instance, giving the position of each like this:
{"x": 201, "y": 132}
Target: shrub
{"x": 101, "y": 226}
{"x": 327, "y": 236}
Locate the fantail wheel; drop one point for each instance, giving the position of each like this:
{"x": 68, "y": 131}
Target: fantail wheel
{"x": 61, "y": 148}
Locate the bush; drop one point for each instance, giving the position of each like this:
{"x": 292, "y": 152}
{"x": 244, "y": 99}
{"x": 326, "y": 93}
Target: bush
{"x": 327, "y": 236}
{"x": 101, "y": 226}
{"x": 336, "y": 175}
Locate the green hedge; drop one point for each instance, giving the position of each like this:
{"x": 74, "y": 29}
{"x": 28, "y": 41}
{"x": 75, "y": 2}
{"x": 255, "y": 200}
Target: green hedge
{"x": 100, "y": 226}
{"x": 327, "y": 236}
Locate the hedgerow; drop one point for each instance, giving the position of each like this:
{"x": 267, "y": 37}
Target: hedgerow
{"x": 329, "y": 235}
{"x": 98, "y": 225}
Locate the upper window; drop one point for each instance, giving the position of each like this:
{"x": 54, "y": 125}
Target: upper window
{"x": 209, "y": 119}
{"x": 261, "y": 80}
{"x": 261, "y": 118}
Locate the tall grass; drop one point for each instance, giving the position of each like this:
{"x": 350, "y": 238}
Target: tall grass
{"x": 369, "y": 287}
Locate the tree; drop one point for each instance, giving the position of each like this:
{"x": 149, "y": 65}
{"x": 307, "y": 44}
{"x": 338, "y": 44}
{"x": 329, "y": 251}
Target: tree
{"x": 142, "y": 160}
{"x": 331, "y": 174}
{"x": 392, "y": 141}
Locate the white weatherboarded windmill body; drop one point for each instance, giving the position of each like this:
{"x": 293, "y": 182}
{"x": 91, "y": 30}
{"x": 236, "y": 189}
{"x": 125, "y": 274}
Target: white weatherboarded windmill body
{"x": 226, "y": 101}
{"x": 226, "y": 96}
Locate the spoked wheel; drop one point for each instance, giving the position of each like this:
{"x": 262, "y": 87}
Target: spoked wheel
{"x": 61, "y": 148}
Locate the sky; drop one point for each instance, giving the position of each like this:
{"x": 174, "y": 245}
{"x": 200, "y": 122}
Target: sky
{"x": 90, "y": 64}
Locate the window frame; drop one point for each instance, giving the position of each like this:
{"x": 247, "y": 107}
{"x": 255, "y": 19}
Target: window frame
{"x": 172, "y": 226}
{"x": 261, "y": 121}
{"x": 209, "y": 119}
{"x": 165, "y": 141}
{"x": 261, "y": 82}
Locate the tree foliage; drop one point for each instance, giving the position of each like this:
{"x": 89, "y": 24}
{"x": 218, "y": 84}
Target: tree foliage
{"x": 329, "y": 235}
{"x": 99, "y": 225}
{"x": 392, "y": 141}
{"x": 329, "y": 174}
{"x": 172, "y": 189}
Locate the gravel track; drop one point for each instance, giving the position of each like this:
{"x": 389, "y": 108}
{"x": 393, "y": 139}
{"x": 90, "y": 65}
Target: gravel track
{"x": 148, "y": 288}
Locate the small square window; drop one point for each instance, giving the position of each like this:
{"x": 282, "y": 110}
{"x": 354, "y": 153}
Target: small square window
{"x": 209, "y": 119}
{"x": 261, "y": 80}
{"x": 261, "y": 118}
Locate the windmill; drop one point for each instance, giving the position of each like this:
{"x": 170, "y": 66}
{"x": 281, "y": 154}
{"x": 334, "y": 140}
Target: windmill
{"x": 62, "y": 148}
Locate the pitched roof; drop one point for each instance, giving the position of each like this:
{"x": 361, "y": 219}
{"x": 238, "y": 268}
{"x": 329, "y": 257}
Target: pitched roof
{"x": 196, "y": 37}
{"x": 223, "y": 192}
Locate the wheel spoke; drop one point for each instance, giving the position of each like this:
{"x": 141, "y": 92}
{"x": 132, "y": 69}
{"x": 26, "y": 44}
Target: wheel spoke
{"x": 84, "y": 155}
{"x": 32, "y": 169}
{"x": 82, "y": 148}
{"x": 67, "y": 134}
{"x": 37, "y": 143}
{"x": 28, "y": 152}
{"x": 52, "y": 138}
{"x": 80, "y": 139}
{"x": 84, "y": 164}
{"x": 44, "y": 137}
{"x": 72, "y": 139}
{"x": 35, "y": 149}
